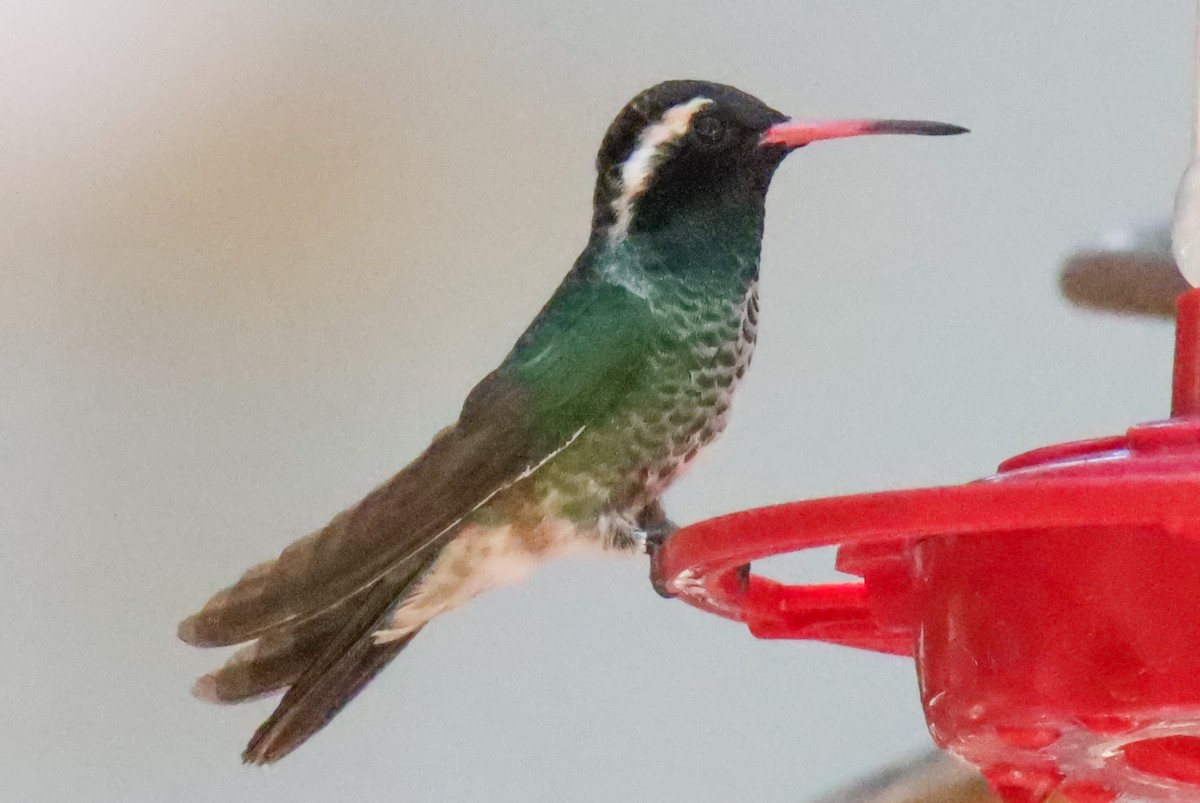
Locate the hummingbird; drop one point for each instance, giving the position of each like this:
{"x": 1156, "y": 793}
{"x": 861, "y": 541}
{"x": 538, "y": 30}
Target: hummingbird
{"x": 625, "y": 374}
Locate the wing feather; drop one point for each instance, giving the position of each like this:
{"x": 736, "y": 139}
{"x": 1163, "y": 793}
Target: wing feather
{"x": 570, "y": 369}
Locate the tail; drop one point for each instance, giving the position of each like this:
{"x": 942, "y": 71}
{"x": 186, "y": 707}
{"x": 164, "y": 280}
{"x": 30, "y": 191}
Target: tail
{"x": 309, "y": 615}
{"x": 323, "y": 662}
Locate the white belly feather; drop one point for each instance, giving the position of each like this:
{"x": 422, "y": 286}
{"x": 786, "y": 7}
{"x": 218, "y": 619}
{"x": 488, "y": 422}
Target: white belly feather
{"x": 480, "y": 558}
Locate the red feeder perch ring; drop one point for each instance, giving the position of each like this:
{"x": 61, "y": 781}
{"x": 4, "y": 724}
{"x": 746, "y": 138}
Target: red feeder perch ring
{"x": 1052, "y": 609}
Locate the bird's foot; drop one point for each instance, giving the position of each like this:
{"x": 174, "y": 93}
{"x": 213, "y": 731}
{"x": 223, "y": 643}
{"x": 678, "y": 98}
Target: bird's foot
{"x": 651, "y": 532}
{"x": 657, "y": 581}
{"x": 653, "y": 545}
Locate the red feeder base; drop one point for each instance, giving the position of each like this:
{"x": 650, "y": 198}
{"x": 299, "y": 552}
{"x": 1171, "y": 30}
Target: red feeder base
{"x": 1052, "y": 610}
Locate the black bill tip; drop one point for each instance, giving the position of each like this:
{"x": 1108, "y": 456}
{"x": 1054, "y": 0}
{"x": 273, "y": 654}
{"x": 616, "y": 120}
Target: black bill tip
{"x": 924, "y": 128}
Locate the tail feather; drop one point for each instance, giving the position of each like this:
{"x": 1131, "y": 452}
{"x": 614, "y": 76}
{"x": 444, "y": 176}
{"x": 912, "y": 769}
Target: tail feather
{"x": 307, "y": 708}
{"x": 345, "y": 664}
{"x": 323, "y": 661}
{"x": 275, "y": 661}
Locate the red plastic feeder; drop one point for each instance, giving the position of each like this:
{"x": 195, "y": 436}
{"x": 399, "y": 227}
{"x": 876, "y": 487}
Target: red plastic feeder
{"x": 1052, "y": 609}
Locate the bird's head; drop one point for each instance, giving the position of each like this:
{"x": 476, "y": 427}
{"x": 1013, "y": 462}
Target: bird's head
{"x": 683, "y": 144}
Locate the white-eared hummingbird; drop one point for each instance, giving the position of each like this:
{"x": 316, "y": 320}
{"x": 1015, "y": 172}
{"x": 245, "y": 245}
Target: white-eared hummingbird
{"x": 620, "y": 380}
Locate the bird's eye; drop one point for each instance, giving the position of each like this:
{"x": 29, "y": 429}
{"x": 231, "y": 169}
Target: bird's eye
{"x": 709, "y": 129}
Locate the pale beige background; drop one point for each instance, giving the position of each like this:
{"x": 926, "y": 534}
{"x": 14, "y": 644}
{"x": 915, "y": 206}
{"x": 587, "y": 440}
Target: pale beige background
{"x": 253, "y": 254}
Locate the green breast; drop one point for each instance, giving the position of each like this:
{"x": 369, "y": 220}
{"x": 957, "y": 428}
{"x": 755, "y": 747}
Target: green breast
{"x": 634, "y": 361}
{"x": 682, "y": 403}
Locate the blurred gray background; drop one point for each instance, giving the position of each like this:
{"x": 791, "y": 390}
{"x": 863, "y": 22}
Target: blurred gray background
{"x": 252, "y": 255}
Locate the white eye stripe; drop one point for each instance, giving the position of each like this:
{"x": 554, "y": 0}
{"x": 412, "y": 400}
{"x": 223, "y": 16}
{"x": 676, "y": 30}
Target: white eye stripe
{"x": 639, "y": 165}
